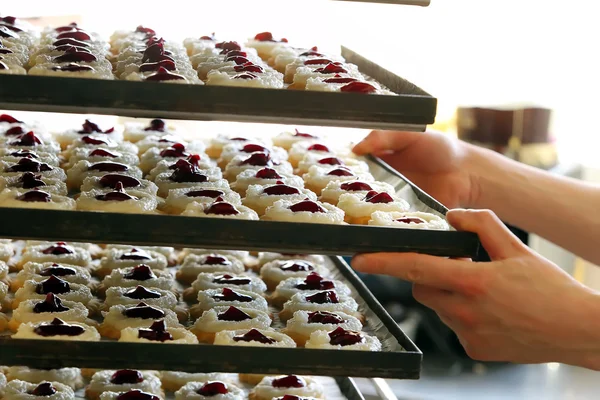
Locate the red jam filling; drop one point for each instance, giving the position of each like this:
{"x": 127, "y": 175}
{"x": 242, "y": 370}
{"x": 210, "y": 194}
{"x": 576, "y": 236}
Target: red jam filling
{"x": 51, "y": 304}
{"x": 238, "y": 60}
{"x": 14, "y": 131}
{"x": 231, "y": 280}
{"x": 258, "y": 160}
{"x": 280, "y": 190}
{"x": 315, "y": 281}
{"x": 233, "y": 314}
{"x": 355, "y": 186}
{"x": 156, "y": 125}
{"x": 135, "y": 394}
{"x": 9, "y": 119}
{"x": 157, "y": 332}
{"x": 169, "y": 65}
{"x": 70, "y": 42}
{"x": 246, "y": 75}
{"x": 296, "y": 266}
{"x": 7, "y": 33}
{"x": 58, "y": 270}
{"x": 267, "y": 173}
{"x": 96, "y": 141}
{"x": 411, "y": 220}
{"x": 323, "y": 317}
{"x": 330, "y": 161}
{"x": 325, "y": 297}
{"x": 307, "y": 206}
{"x": 228, "y": 46}
{"x": 211, "y": 37}
{"x": 67, "y": 28}
{"x": 254, "y": 148}
{"x": 164, "y": 75}
{"x": 291, "y": 397}
{"x": 135, "y": 254}
{"x": 108, "y": 166}
{"x": 35, "y": 196}
{"x": 340, "y": 172}
{"x": 143, "y": 311}
{"x": 75, "y": 57}
{"x": 25, "y": 154}
{"x": 140, "y": 272}
{"x": 231, "y": 295}
{"x": 340, "y": 80}
{"x": 342, "y": 337}
{"x": 378, "y": 198}
{"x": 90, "y": 127}
{"x": 29, "y": 165}
{"x": 290, "y": 381}
{"x": 249, "y": 67}
{"x": 154, "y": 52}
{"x": 216, "y": 260}
{"x": 112, "y": 180}
{"x": 253, "y": 335}
{"x": 213, "y": 194}
{"x": 3, "y": 66}
{"x": 117, "y": 195}
{"x": 317, "y": 61}
{"x": 185, "y": 171}
{"x": 140, "y": 293}
{"x": 53, "y": 285}
{"x": 77, "y": 35}
{"x": 210, "y": 389}
{"x": 58, "y": 249}
{"x": 305, "y": 135}
{"x": 175, "y": 151}
{"x": 331, "y": 68}
{"x": 58, "y": 328}
{"x": 222, "y": 208}
{"x": 28, "y": 139}
{"x": 104, "y": 153}
{"x": 145, "y": 31}
{"x": 126, "y": 376}
{"x": 44, "y": 389}
{"x": 264, "y": 37}
{"x": 318, "y": 147}
{"x": 5, "y": 51}
{"x": 358, "y": 87}
{"x": 311, "y": 53}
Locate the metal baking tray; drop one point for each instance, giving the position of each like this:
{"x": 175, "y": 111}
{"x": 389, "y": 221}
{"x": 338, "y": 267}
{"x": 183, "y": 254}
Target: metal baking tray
{"x": 399, "y": 358}
{"x": 412, "y": 109}
{"x": 422, "y": 3}
{"x": 220, "y": 233}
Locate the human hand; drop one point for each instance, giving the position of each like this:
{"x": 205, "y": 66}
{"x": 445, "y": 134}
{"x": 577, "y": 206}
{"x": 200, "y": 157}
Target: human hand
{"x": 520, "y": 307}
{"x": 440, "y": 165}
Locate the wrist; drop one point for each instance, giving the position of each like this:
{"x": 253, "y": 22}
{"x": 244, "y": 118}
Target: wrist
{"x": 481, "y": 174}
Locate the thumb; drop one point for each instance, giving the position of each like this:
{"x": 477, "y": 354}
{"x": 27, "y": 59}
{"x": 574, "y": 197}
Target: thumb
{"x": 495, "y": 237}
{"x": 383, "y": 141}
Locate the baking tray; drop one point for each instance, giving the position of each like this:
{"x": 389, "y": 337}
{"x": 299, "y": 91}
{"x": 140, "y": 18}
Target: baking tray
{"x": 422, "y": 3}
{"x": 399, "y": 358}
{"x": 220, "y": 233}
{"x": 412, "y": 109}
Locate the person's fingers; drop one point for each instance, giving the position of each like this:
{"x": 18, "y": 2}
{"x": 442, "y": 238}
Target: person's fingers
{"x": 433, "y": 297}
{"x": 442, "y": 273}
{"x": 378, "y": 142}
{"x": 495, "y": 237}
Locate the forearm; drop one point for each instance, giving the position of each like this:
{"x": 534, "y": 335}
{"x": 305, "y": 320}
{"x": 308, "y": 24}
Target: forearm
{"x": 562, "y": 210}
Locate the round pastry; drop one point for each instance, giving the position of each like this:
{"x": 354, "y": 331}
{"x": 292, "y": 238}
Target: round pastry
{"x": 118, "y": 258}
{"x": 139, "y": 275}
{"x": 254, "y": 338}
{"x": 110, "y": 181}
{"x": 408, "y": 220}
{"x": 216, "y": 390}
{"x": 217, "y": 143}
{"x": 244, "y": 149}
{"x": 84, "y": 169}
{"x": 288, "y": 138}
{"x": 25, "y": 164}
{"x": 194, "y": 264}
{"x": 172, "y": 381}
{"x": 96, "y": 141}
{"x": 264, "y": 177}
{"x": 88, "y": 127}
{"x": 316, "y": 149}
{"x": 166, "y": 141}
{"x": 57, "y": 329}
{"x": 317, "y": 178}
{"x": 59, "y": 252}
{"x": 311, "y": 159}
{"x": 275, "y": 386}
{"x": 96, "y": 155}
{"x": 187, "y": 175}
{"x": 304, "y": 211}
{"x": 259, "y": 198}
{"x": 228, "y": 318}
{"x": 326, "y": 300}
{"x": 202, "y": 162}
{"x": 123, "y": 380}
{"x": 277, "y": 271}
{"x": 120, "y": 317}
{"x": 51, "y": 307}
{"x": 220, "y": 209}
{"x": 266, "y": 45}
{"x": 3, "y": 266}
{"x": 310, "y": 284}
{"x": 133, "y": 394}
{"x": 241, "y": 255}
{"x": 209, "y": 299}
{"x": 266, "y": 257}
{"x": 154, "y": 155}
{"x": 41, "y": 271}
{"x": 255, "y": 161}
{"x": 21, "y": 390}
{"x": 342, "y": 339}
{"x": 67, "y": 376}
{"x": 158, "y": 332}
{"x": 135, "y": 131}
{"x": 117, "y": 200}
{"x": 358, "y": 208}
{"x": 332, "y": 192}
{"x": 92, "y": 248}
{"x": 304, "y": 323}
{"x": 162, "y": 299}
{"x": 33, "y": 290}
{"x": 30, "y": 180}
{"x": 167, "y": 251}
{"x": 206, "y": 281}
{"x": 178, "y": 199}
{"x": 35, "y": 198}
{"x": 34, "y": 142}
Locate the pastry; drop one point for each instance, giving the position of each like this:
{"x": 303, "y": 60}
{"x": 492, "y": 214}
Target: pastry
{"x": 117, "y": 200}
{"x": 331, "y": 70}
{"x": 167, "y": 251}
{"x": 310, "y": 284}
{"x": 118, "y": 258}
{"x": 50, "y": 307}
{"x": 309, "y": 59}
{"x": 228, "y": 318}
{"x": 11, "y": 68}
{"x": 110, "y": 181}
{"x": 217, "y": 143}
{"x": 158, "y": 332}
{"x": 201, "y": 162}
{"x": 172, "y": 381}
{"x": 67, "y": 376}
{"x": 7, "y": 250}
{"x": 255, "y": 161}
{"x": 2, "y": 383}
{"x": 254, "y": 337}
{"x": 21, "y": 390}
{"x": 96, "y": 141}
{"x": 140, "y": 315}
{"x": 304, "y": 323}
{"x": 84, "y": 169}
{"x": 58, "y": 252}
{"x": 35, "y": 198}
{"x": 342, "y": 339}
{"x": 277, "y": 271}
{"x": 67, "y": 137}
{"x": 275, "y": 386}
{"x": 358, "y": 208}
{"x": 244, "y": 148}
{"x": 178, "y": 199}
{"x": 100, "y": 154}
{"x": 3, "y": 293}
{"x": 266, "y": 257}
{"x": 408, "y": 220}
{"x": 92, "y": 248}
{"x": 318, "y": 177}
{"x": 41, "y": 271}
{"x": 311, "y": 159}
{"x": 263, "y": 177}
{"x": 135, "y": 131}
{"x": 139, "y": 275}
{"x": 24, "y": 164}
{"x": 346, "y": 85}
{"x": 167, "y": 141}
{"x": 265, "y": 44}
{"x": 123, "y": 380}
{"x": 133, "y": 394}
{"x": 209, "y": 299}
{"x": 317, "y": 149}
{"x": 32, "y": 141}
{"x": 216, "y": 262}
{"x": 161, "y": 299}
{"x": 206, "y": 281}
{"x": 304, "y": 211}
{"x": 29, "y": 181}
{"x": 259, "y": 198}
{"x": 57, "y": 329}
{"x": 220, "y": 209}
{"x": 332, "y": 192}
{"x": 326, "y": 300}
{"x": 171, "y": 154}
{"x": 14, "y": 155}
{"x": 33, "y": 290}
{"x": 243, "y": 256}
{"x": 188, "y": 175}
{"x": 216, "y": 390}
{"x": 288, "y": 138}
